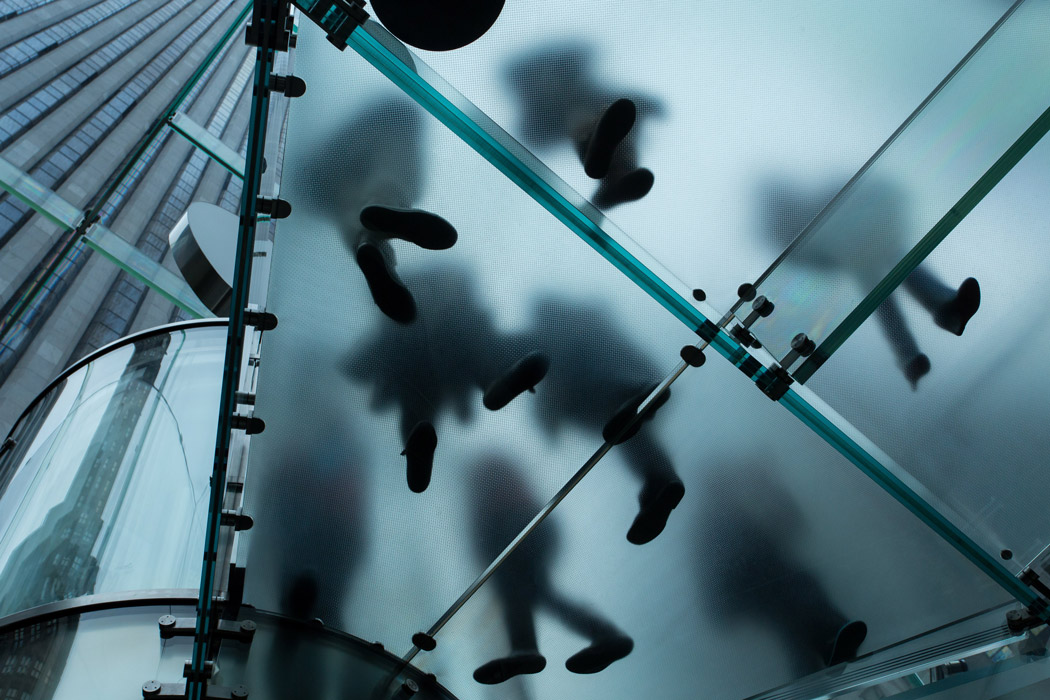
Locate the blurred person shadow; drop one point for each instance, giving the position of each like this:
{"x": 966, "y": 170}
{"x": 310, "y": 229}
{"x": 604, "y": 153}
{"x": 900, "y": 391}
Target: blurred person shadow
{"x": 561, "y": 99}
{"x": 597, "y": 381}
{"x": 749, "y": 570}
{"x": 503, "y": 504}
{"x": 453, "y": 352}
{"x": 880, "y": 219}
{"x": 316, "y": 515}
{"x": 368, "y": 175}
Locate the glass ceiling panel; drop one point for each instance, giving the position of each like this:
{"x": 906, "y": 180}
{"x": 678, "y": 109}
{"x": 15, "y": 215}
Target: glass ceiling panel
{"x": 778, "y": 543}
{"x": 728, "y": 95}
{"x": 973, "y": 433}
{"x": 914, "y": 191}
{"x": 341, "y": 383}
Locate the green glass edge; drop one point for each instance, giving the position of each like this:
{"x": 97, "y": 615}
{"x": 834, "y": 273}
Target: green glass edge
{"x": 985, "y": 184}
{"x": 372, "y": 50}
{"x": 900, "y": 491}
{"x": 174, "y": 290}
{"x": 201, "y": 138}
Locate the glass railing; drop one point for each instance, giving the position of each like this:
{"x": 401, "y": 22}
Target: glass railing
{"x": 104, "y": 478}
{"x": 101, "y": 239}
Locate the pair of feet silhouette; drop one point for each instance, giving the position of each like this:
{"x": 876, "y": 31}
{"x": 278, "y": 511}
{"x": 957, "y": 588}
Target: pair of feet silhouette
{"x": 520, "y": 377}
{"x": 596, "y": 657}
{"x": 620, "y": 181}
{"x": 374, "y": 257}
{"x": 952, "y": 315}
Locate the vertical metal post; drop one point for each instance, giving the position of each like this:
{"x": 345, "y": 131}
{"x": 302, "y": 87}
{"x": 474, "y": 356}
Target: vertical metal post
{"x": 269, "y": 20}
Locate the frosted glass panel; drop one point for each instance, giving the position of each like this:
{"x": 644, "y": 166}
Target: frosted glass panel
{"x": 343, "y": 385}
{"x": 973, "y": 432}
{"x": 778, "y": 544}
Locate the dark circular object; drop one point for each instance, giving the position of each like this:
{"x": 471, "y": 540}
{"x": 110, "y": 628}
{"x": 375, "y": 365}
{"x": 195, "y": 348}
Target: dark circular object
{"x": 699, "y": 295}
{"x": 803, "y": 345}
{"x": 150, "y": 689}
{"x": 1006, "y": 554}
{"x": 763, "y": 306}
{"x": 437, "y": 25}
{"x": 239, "y": 691}
{"x": 167, "y": 621}
{"x": 410, "y": 687}
{"x": 693, "y": 356}
{"x": 424, "y": 641}
{"x": 746, "y": 291}
{"x": 247, "y": 626}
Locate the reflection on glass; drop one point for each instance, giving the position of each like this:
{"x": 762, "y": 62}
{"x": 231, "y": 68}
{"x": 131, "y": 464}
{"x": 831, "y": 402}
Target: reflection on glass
{"x": 105, "y": 489}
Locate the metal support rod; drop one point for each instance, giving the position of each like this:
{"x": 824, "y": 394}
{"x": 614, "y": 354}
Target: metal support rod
{"x": 548, "y": 509}
{"x": 207, "y": 617}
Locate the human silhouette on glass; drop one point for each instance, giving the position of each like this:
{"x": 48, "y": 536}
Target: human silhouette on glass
{"x": 369, "y": 173}
{"x": 597, "y": 381}
{"x": 561, "y": 98}
{"x": 440, "y": 362}
{"x": 315, "y": 538}
{"x": 871, "y": 241}
{"x": 750, "y": 569}
{"x": 503, "y": 504}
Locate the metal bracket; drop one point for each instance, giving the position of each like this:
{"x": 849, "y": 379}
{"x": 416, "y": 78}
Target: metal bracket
{"x": 262, "y": 320}
{"x": 288, "y": 85}
{"x": 177, "y": 691}
{"x": 249, "y": 424}
{"x": 271, "y": 31}
{"x": 171, "y": 627}
{"x": 761, "y": 308}
{"x": 274, "y": 208}
{"x": 237, "y": 519}
{"x": 801, "y": 346}
{"x": 774, "y": 382}
{"x": 1021, "y": 620}
{"x": 338, "y": 18}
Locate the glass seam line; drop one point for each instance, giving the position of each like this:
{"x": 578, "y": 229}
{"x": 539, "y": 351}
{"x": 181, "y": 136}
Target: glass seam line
{"x": 805, "y": 233}
{"x": 954, "y": 216}
{"x": 549, "y": 507}
{"x": 413, "y": 84}
{"x": 497, "y": 154}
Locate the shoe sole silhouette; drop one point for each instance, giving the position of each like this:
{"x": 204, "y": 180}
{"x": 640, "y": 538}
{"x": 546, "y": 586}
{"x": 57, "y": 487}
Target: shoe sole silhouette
{"x": 500, "y": 670}
{"x": 610, "y": 131}
{"x": 847, "y": 640}
{"x": 955, "y": 314}
{"x": 419, "y": 454}
{"x": 416, "y": 226}
{"x": 629, "y": 188}
{"x": 652, "y": 518}
{"x": 523, "y": 375}
{"x": 388, "y": 292}
{"x": 599, "y": 655}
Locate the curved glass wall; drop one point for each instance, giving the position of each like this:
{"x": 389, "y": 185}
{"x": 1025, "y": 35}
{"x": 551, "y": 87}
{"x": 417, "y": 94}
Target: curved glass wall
{"x": 104, "y": 479}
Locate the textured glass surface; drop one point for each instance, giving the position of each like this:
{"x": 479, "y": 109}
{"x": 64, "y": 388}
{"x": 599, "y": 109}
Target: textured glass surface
{"x": 338, "y": 379}
{"x": 976, "y": 126}
{"x": 101, "y": 239}
{"x": 201, "y": 138}
{"x": 730, "y": 96}
{"x": 973, "y": 433}
{"x": 105, "y": 488}
{"x": 104, "y": 654}
{"x": 299, "y": 659}
{"x": 778, "y": 542}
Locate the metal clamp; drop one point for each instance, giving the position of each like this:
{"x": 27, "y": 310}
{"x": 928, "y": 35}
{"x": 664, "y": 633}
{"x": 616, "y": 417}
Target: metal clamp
{"x": 339, "y": 18}
{"x": 171, "y": 627}
{"x": 288, "y": 85}
{"x": 249, "y": 424}
{"x": 271, "y": 26}
{"x": 262, "y": 320}
{"x": 275, "y": 208}
{"x": 761, "y": 308}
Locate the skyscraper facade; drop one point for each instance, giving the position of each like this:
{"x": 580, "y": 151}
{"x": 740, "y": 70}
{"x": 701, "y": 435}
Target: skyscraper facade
{"x": 79, "y": 89}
